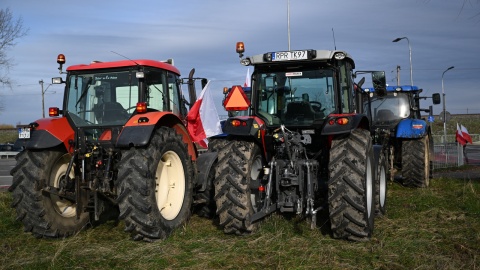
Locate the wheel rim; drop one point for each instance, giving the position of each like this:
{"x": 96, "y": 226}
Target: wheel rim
{"x": 63, "y": 207}
{"x": 170, "y": 185}
{"x": 369, "y": 187}
{"x": 255, "y": 172}
{"x": 427, "y": 163}
{"x": 383, "y": 185}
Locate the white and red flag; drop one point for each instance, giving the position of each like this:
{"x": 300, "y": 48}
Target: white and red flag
{"x": 203, "y": 121}
{"x": 248, "y": 79}
{"x": 465, "y": 134}
{"x": 459, "y": 136}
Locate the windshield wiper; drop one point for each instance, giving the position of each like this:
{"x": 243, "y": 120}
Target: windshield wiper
{"x": 84, "y": 91}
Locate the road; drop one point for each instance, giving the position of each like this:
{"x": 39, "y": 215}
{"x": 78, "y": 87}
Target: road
{"x": 473, "y": 153}
{"x": 5, "y": 178}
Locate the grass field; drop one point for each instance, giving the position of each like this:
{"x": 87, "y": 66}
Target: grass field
{"x": 433, "y": 228}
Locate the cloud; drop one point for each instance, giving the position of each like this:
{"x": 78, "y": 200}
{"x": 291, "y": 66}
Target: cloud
{"x": 202, "y": 35}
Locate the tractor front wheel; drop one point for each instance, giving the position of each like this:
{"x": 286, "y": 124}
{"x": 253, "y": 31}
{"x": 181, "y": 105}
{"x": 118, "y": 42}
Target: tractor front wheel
{"x": 416, "y": 162}
{"x": 155, "y": 189}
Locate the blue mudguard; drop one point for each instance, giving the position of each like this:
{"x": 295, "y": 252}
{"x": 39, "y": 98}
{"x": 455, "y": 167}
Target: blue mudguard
{"x": 411, "y": 128}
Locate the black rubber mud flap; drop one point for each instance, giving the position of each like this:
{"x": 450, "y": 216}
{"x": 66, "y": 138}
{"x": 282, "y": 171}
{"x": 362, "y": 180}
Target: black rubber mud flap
{"x": 204, "y": 165}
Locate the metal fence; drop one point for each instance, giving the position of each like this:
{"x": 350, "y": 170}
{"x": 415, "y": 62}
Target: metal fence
{"x": 452, "y": 154}
{"x": 447, "y": 155}
{"x": 439, "y": 139}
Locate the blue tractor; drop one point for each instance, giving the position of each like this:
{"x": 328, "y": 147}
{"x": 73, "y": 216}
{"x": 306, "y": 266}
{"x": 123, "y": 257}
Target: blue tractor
{"x": 398, "y": 125}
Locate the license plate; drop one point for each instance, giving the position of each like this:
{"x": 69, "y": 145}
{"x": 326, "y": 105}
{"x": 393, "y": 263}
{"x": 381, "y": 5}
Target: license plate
{"x": 290, "y": 55}
{"x": 24, "y": 133}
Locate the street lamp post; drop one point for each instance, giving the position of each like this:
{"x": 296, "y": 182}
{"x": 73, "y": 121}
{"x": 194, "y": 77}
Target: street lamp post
{"x": 445, "y": 111}
{"x": 43, "y": 95}
{"x": 410, "y": 52}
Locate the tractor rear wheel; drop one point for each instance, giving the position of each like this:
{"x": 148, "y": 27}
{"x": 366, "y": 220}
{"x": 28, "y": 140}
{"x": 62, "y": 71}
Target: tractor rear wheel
{"x": 42, "y": 213}
{"x": 239, "y": 170}
{"x": 155, "y": 186}
{"x": 351, "y": 186}
{"x": 416, "y": 162}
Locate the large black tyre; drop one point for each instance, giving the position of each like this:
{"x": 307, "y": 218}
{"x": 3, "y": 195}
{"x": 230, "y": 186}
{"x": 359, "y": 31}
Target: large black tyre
{"x": 381, "y": 184}
{"x": 207, "y": 208}
{"x": 156, "y": 186}
{"x": 416, "y": 162}
{"x": 351, "y": 186}
{"x": 44, "y": 214}
{"x": 239, "y": 166}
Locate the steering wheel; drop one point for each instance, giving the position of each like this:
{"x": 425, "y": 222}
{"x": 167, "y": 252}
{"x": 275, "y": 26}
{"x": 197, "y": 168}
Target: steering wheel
{"x": 316, "y": 106}
{"x": 128, "y": 109}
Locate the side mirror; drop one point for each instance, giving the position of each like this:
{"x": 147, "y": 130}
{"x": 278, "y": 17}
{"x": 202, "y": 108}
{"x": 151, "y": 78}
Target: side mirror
{"x": 57, "y": 80}
{"x": 379, "y": 83}
{"x": 436, "y": 98}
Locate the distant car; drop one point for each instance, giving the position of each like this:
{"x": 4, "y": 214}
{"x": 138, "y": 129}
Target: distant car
{"x": 8, "y": 150}
{"x": 9, "y": 147}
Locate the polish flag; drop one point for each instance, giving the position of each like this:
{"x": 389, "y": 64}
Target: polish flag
{"x": 465, "y": 134}
{"x": 202, "y": 120}
{"x": 459, "y": 136}
{"x": 248, "y": 79}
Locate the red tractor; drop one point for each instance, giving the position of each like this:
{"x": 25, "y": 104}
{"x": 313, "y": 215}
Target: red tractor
{"x": 119, "y": 147}
{"x": 303, "y": 146}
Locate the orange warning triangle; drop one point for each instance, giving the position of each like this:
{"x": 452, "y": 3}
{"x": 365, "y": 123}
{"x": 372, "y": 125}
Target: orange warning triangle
{"x": 236, "y": 100}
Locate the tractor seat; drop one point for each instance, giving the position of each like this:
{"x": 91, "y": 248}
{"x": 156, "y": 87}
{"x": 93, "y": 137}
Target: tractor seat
{"x": 299, "y": 111}
{"x": 385, "y": 115}
{"x": 110, "y": 112}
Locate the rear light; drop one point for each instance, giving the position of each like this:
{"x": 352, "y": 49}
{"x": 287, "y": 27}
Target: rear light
{"x": 141, "y": 107}
{"x": 238, "y": 123}
{"x": 342, "y": 121}
{"x": 53, "y": 111}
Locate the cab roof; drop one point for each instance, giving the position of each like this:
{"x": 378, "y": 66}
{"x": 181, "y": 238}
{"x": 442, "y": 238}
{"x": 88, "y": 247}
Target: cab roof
{"x": 124, "y": 63}
{"x": 402, "y": 88}
{"x": 319, "y": 55}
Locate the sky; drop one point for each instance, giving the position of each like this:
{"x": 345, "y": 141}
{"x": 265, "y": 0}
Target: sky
{"x": 202, "y": 35}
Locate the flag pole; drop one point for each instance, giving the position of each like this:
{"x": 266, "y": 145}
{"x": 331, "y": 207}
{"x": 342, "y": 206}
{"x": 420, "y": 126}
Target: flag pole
{"x": 288, "y": 22}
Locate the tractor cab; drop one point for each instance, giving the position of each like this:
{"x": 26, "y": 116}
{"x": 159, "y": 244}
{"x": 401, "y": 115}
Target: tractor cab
{"x": 300, "y": 88}
{"x": 399, "y": 103}
{"x": 102, "y": 96}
